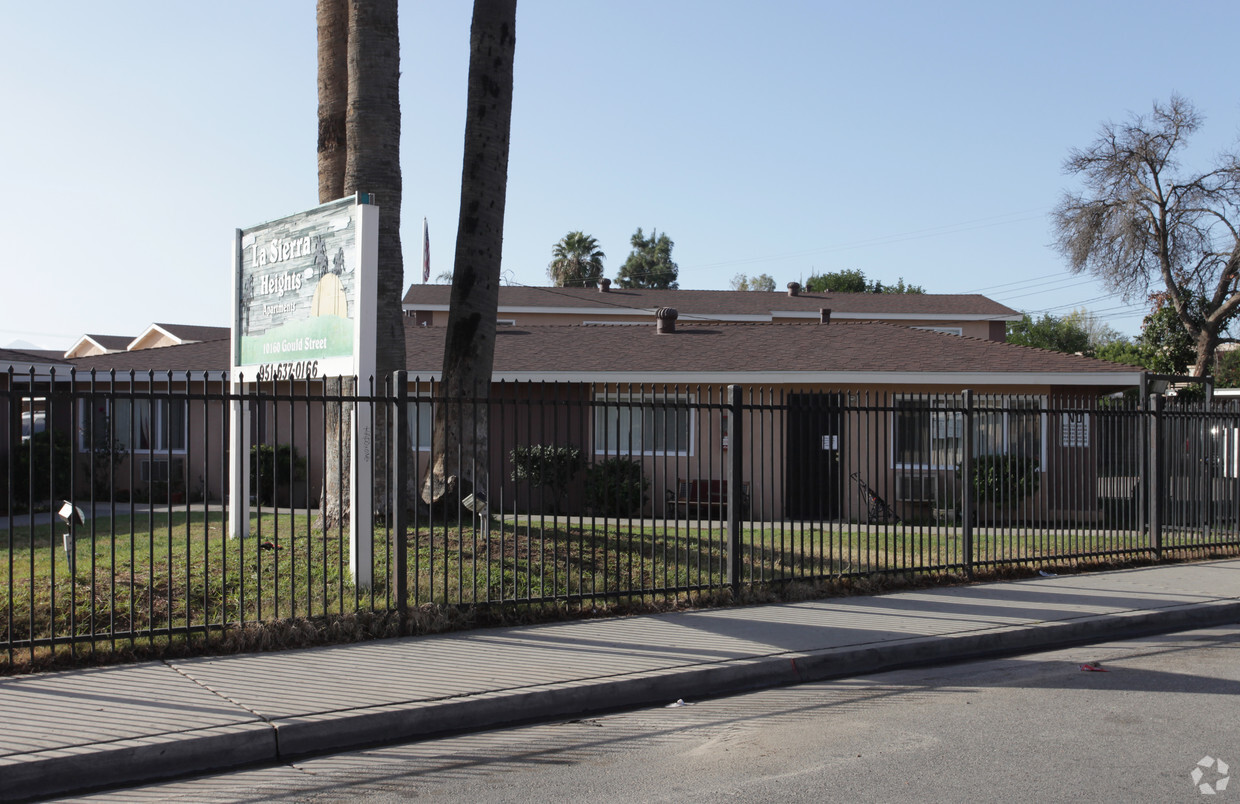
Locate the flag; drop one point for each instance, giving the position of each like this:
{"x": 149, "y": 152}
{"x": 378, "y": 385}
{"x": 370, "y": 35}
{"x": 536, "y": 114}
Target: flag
{"x": 426, "y": 253}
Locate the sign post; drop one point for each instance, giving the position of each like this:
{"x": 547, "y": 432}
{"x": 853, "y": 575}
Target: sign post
{"x": 304, "y": 290}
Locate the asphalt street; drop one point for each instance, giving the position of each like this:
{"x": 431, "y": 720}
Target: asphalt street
{"x": 1030, "y": 728}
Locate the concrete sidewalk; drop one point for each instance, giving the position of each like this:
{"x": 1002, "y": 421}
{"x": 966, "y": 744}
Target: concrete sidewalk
{"x": 81, "y": 729}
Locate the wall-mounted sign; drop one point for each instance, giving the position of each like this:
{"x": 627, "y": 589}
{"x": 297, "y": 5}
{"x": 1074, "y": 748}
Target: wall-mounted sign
{"x": 1074, "y": 427}
{"x": 300, "y": 294}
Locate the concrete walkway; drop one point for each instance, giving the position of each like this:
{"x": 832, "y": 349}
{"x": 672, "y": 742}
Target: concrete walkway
{"x": 75, "y": 730}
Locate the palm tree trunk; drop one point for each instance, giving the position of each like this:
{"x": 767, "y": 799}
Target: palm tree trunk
{"x": 371, "y": 165}
{"x": 333, "y": 39}
{"x": 461, "y": 459}
{"x": 333, "y": 85}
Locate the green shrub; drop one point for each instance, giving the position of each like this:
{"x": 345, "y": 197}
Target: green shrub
{"x": 546, "y": 466}
{"x": 1004, "y": 478}
{"x": 616, "y": 487}
{"x": 276, "y": 466}
{"x": 34, "y": 470}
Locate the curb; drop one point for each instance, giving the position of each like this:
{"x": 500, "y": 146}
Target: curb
{"x": 61, "y": 771}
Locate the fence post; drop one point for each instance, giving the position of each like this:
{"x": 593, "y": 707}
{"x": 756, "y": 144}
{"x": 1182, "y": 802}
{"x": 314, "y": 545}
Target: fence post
{"x": 1157, "y": 476}
{"x": 400, "y": 483}
{"x": 966, "y": 477}
{"x": 735, "y": 488}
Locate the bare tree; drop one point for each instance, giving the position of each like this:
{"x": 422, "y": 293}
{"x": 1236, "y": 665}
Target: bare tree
{"x": 460, "y": 431}
{"x": 1143, "y": 227}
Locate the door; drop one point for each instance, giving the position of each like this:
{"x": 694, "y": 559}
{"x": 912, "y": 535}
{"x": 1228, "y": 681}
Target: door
{"x": 813, "y": 476}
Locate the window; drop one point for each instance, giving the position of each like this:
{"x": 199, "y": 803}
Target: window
{"x": 929, "y": 431}
{"x": 34, "y": 416}
{"x": 646, "y": 425}
{"x": 421, "y": 423}
{"x": 140, "y": 425}
{"x": 948, "y": 330}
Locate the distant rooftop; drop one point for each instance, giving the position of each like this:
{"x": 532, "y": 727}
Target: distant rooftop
{"x": 727, "y": 302}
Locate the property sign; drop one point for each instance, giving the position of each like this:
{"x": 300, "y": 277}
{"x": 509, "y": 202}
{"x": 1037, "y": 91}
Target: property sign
{"x": 304, "y": 290}
{"x": 300, "y": 294}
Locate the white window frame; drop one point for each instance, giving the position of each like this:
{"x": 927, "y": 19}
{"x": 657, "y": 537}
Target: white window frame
{"x": 676, "y": 402}
{"x": 415, "y": 411}
{"x": 34, "y": 416}
{"x": 953, "y": 417}
{"x": 948, "y": 330}
{"x": 158, "y": 430}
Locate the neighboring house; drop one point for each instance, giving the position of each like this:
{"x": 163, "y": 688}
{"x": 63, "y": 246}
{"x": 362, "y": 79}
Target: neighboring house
{"x": 88, "y": 345}
{"x": 159, "y": 335}
{"x": 153, "y": 337}
{"x": 958, "y": 314}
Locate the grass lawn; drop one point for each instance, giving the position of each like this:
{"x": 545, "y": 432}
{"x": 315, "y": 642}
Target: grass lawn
{"x": 159, "y": 575}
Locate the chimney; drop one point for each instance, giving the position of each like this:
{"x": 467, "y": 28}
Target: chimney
{"x": 794, "y": 288}
{"x": 604, "y": 285}
{"x": 824, "y": 315}
{"x": 665, "y": 320}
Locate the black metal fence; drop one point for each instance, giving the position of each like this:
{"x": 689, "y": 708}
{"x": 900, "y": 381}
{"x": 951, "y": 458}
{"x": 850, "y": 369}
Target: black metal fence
{"x": 568, "y": 494}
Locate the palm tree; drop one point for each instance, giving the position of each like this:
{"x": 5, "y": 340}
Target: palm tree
{"x": 577, "y": 261}
{"x": 460, "y": 433}
{"x": 359, "y": 151}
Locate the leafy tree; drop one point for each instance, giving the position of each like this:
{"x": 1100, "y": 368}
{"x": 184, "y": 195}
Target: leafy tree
{"x": 1097, "y": 331}
{"x": 107, "y": 453}
{"x": 1166, "y": 346}
{"x": 576, "y": 261}
{"x": 461, "y": 442}
{"x": 852, "y": 280}
{"x": 650, "y": 263}
{"x": 1227, "y": 368}
{"x": 1123, "y": 351}
{"x": 1049, "y": 332}
{"x": 761, "y": 282}
{"x": 1142, "y": 225}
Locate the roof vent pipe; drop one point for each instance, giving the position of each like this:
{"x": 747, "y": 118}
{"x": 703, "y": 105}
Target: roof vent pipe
{"x": 824, "y": 315}
{"x": 665, "y": 320}
{"x": 604, "y": 285}
{"x": 794, "y": 288}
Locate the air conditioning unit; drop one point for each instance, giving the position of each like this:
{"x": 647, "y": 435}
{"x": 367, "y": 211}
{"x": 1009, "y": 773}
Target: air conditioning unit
{"x": 915, "y": 488}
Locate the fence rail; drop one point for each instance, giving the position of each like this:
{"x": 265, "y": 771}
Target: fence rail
{"x": 575, "y": 494}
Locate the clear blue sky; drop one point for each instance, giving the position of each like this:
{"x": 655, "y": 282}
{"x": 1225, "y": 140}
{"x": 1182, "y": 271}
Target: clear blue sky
{"x": 906, "y": 139}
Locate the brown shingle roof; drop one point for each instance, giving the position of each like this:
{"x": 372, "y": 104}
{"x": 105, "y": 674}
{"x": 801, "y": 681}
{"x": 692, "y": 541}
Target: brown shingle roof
{"x": 194, "y": 332}
{"x": 44, "y": 356}
{"x": 114, "y": 342}
{"x": 729, "y": 302}
{"x": 859, "y": 350}
{"x": 201, "y": 356}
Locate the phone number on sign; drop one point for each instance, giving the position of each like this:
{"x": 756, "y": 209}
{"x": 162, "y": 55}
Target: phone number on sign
{"x": 295, "y": 370}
